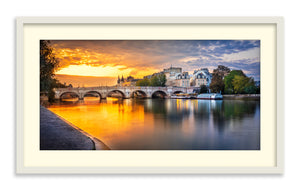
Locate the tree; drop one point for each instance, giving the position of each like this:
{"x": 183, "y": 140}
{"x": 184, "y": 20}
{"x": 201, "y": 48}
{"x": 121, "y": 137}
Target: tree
{"x": 48, "y": 65}
{"x": 156, "y": 80}
{"x": 250, "y": 87}
{"x": 228, "y": 88}
{"x": 239, "y": 83}
{"x": 243, "y": 84}
{"x": 143, "y": 82}
{"x": 217, "y": 82}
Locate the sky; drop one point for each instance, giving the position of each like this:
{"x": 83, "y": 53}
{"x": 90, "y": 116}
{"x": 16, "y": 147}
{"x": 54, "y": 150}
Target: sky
{"x": 138, "y": 58}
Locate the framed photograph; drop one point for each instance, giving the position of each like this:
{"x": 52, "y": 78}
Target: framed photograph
{"x": 150, "y": 95}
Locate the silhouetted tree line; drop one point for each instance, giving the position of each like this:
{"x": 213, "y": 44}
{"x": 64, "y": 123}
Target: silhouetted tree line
{"x": 48, "y": 65}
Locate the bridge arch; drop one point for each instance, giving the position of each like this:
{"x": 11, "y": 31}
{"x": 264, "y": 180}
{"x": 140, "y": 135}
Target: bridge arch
{"x": 91, "y": 92}
{"x": 138, "y": 93}
{"x": 110, "y": 93}
{"x": 69, "y": 95}
{"x": 159, "y": 94}
{"x": 177, "y": 92}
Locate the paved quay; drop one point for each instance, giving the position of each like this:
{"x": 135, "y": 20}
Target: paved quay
{"x": 56, "y": 134}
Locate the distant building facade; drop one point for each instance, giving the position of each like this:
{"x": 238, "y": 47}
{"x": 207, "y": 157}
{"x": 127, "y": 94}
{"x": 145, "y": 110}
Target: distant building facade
{"x": 173, "y": 70}
{"x": 175, "y": 77}
{"x": 182, "y": 79}
{"x": 201, "y": 77}
{"x": 171, "y": 74}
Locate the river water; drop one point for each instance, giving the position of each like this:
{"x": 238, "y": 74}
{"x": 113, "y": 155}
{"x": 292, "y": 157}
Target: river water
{"x": 167, "y": 124}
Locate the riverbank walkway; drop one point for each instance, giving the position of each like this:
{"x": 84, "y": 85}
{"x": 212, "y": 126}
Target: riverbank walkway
{"x": 56, "y": 134}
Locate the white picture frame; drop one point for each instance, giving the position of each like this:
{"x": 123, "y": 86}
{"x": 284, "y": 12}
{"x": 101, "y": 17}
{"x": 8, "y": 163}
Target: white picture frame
{"x": 29, "y": 159}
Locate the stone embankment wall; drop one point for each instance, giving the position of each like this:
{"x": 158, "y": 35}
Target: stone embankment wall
{"x": 242, "y": 96}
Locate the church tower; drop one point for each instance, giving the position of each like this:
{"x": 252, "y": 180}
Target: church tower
{"x": 118, "y": 79}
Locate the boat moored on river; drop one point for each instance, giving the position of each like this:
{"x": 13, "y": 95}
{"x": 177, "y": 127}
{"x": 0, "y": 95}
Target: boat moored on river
{"x": 184, "y": 96}
{"x": 210, "y": 96}
{"x": 180, "y": 96}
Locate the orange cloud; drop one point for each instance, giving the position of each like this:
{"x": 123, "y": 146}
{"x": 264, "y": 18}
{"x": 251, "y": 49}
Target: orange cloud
{"x": 144, "y": 57}
{"x": 92, "y": 63}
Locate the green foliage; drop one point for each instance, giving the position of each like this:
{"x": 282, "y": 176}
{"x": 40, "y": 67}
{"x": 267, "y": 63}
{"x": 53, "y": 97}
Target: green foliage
{"x": 156, "y": 80}
{"x": 243, "y": 84}
{"x": 203, "y": 89}
{"x": 239, "y": 83}
{"x": 159, "y": 80}
{"x": 228, "y": 88}
{"x": 143, "y": 82}
{"x": 250, "y": 89}
{"x": 236, "y": 82}
{"x": 48, "y": 64}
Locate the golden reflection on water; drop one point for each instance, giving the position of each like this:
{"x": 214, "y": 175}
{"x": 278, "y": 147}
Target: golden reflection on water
{"x": 111, "y": 121}
{"x": 171, "y": 124}
{"x": 69, "y": 99}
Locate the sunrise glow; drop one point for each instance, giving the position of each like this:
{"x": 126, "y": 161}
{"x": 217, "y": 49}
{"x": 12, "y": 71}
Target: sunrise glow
{"x": 139, "y": 58}
{"x": 100, "y": 71}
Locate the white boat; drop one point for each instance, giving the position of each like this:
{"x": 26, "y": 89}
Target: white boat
{"x": 210, "y": 96}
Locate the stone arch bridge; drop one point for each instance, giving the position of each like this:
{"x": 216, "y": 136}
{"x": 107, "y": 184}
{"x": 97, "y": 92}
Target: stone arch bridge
{"x": 126, "y": 91}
